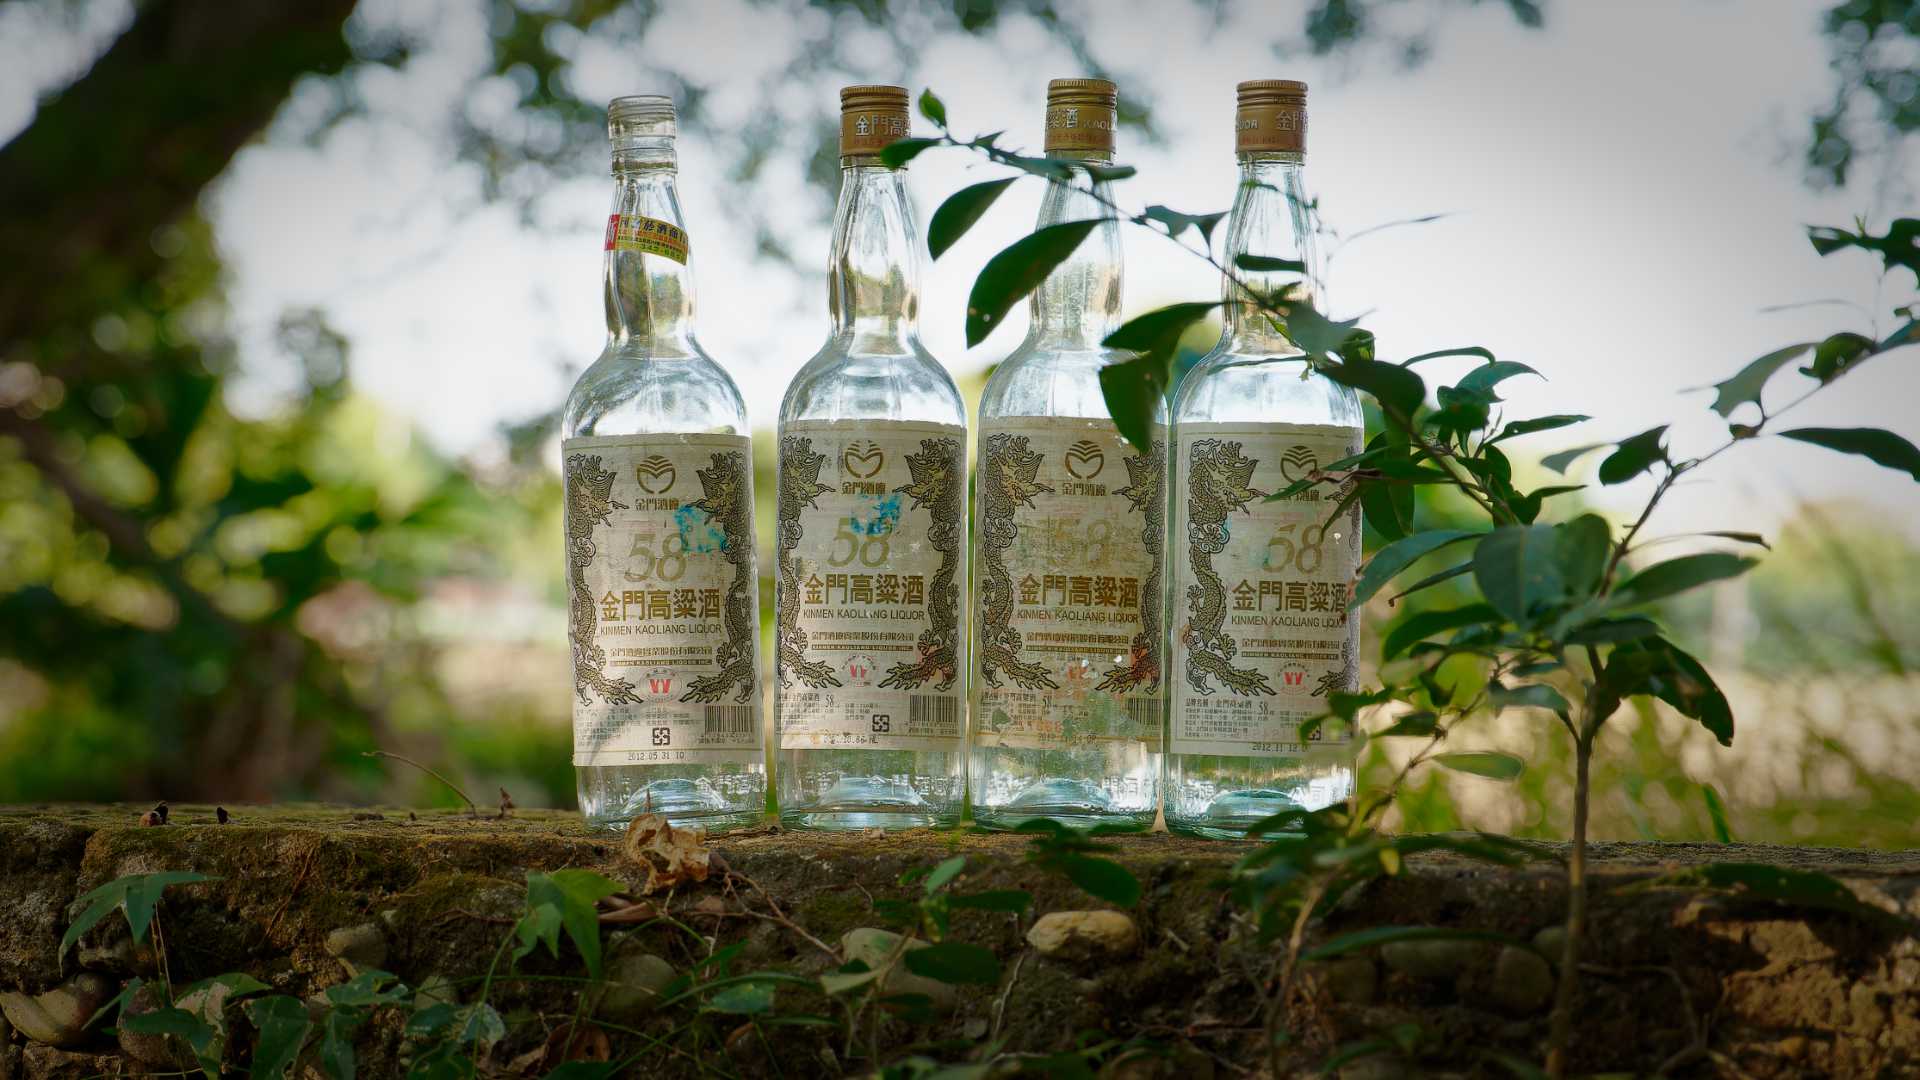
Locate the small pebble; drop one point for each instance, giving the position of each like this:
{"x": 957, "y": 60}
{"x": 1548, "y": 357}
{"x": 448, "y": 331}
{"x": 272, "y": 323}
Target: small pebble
{"x": 59, "y": 1016}
{"x": 1522, "y": 980}
{"x": 1080, "y": 935}
{"x": 359, "y": 947}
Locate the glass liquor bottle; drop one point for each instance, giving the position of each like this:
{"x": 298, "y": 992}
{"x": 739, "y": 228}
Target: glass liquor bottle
{"x": 658, "y": 480}
{"x": 871, "y": 536}
{"x": 1259, "y": 588}
{"x": 1067, "y": 600}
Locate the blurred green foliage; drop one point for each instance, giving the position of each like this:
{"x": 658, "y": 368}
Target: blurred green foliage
{"x": 200, "y": 602}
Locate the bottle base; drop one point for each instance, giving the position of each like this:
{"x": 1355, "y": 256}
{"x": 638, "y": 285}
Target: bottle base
{"x": 1231, "y": 813}
{"x": 868, "y": 802}
{"x": 1081, "y": 804}
{"x": 686, "y": 804}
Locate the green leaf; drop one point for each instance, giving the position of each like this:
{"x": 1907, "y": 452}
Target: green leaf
{"x": 1384, "y": 935}
{"x": 1422, "y": 723}
{"x": 1268, "y": 264}
{"x": 1531, "y": 695}
{"x": 1388, "y": 508}
{"x": 1658, "y": 667}
{"x": 480, "y": 1025}
{"x": 843, "y": 981}
{"x": 365, "y": 990}
{"x": 1679, "y": 575}
{"x": 1102, "y": 878}
{"x": 1469, "y": 350}
{"x": 1612, "y": 631}
{"x": 1424, "y": 624}
{"x": 1517, "y": 428}
{"x": 960, "y": 211}
{"x": 742, "y": 999}
{"x": 136, "y": 894}
{"x": 1560, "y": 459}
{"x": 955, "y": 962}
{"x": 1488, "y": 763}
{"x": 1134, "y": 391}
{"x": 899, "y": 152}
{"x": 1745, "y": 386}
{"x": 1110, "y": 173}
{"x": 1013, "y": 901}
{"x": 1875, "y": 444}
{"x": 1321, "y": 336}
{"x": 1838, "y": 354}
{"x": 283, "y": 1025}
{"x": 1743, "y": 537}
{"x": 572, "y": 894}
{"x": 1581, "y": 547}
{"x": 1398, "y": 390}
{"x": 1389, "y": 561}
{"x": 1519, "y": 569}
{"x": 336, "y": 1042}
{"x": 932, "y": 108}
{"x": 1017, "y": 271}
{"x": 1900, "y": 246}
{"x": 1431, "y": 580}
{"x": 1634, "y": 456}
{"x": 1176, "y": 222}
{"x": 1716, "y": 813}
{"x": 1483, "y": 379}
{"x": 944, "y": 872}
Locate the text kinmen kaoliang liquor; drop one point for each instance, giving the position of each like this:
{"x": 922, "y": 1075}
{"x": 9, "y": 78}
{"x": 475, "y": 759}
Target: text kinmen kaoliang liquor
{"x": 1067, "y": 603}
{"x": 871, "y": 536}
{"x": 1260, "y": 588}
{"x": 658, "y": 480}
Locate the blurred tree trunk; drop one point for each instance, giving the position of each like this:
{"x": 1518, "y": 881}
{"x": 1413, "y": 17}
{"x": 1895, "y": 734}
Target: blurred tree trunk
{"x": 130, "y": 146}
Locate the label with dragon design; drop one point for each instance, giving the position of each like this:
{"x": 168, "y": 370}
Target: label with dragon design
{"x": 662, "y": 618}
{"x": 1072, "y": 529}
{"x": 871, "y": 538}
{"x": 1261, "y": 588}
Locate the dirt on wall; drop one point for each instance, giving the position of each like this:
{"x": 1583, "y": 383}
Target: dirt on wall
{"x": 1695, "y": 984}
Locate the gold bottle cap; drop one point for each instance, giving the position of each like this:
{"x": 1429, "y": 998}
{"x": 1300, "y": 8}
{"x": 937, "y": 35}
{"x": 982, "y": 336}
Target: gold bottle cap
{"x": 1272, "y": 117}
{"x": 1081, "y": 115}
{"x": 871, "y": 117}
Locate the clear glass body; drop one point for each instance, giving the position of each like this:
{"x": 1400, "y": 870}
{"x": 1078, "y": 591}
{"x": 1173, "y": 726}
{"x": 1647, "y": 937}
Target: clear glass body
{"x": 872, "y": 368}
{"x": 1255, "y": 375}
{"x": 1054, "y": 374}
{"x": 654, "y": 378}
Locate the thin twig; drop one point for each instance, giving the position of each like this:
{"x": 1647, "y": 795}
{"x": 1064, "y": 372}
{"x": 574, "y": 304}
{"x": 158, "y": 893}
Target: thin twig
{"x": 305, "y": 865}
{"x": 473, "y": 809}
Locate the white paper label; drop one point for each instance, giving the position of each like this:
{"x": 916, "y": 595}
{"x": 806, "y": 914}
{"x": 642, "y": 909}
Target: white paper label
{"x": 1072, "y": 527}
{"x": 1262, "y": 630}
{"x": 662, "y": 619}
{"x": 872, "y": 561}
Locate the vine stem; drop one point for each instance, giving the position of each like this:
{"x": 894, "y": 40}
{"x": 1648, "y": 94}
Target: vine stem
{"x": 1561, "y": 1030}
{"x": 472, "y": 808}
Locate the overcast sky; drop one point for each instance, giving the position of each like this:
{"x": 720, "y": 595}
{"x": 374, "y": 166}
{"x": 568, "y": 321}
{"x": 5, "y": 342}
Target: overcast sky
{"x": 1624, "y": 190}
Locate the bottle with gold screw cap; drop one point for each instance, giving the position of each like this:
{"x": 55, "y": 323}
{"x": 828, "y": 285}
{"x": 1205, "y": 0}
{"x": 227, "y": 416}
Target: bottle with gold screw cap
{"x": 870, "y": 696}
{"x": 1260, "y": 588}
{"x": 1067, "y": 599}
{"x": 658, "y": 479}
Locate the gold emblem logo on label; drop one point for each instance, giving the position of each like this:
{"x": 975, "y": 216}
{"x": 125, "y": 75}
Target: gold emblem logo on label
{"x": 1298, "y": 463}
{"x": 655, "y": 475}
{"x": 1084, "y": 460}
{"x": 863, "y": 459}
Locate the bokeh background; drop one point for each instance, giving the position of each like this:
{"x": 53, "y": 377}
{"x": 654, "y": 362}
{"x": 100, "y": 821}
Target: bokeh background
{"x": 290, "y": 294}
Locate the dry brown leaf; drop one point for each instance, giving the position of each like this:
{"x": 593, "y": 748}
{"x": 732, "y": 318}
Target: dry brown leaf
{"x": 669, "y": 855}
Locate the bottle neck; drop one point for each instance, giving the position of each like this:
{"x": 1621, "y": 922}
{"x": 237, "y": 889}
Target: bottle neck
{"x": 649, "y": 295}
{"x": 1079, "y": 303}
{"x": 1269, "y": 218}
{"x": 873, "y": 269}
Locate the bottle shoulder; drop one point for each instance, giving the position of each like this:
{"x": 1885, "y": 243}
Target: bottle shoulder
{"x": 1230, "y": 386}
{"x": 627, "y": 392}
{"x": 1042, "y": 380}
{"x": 843, "y": 382}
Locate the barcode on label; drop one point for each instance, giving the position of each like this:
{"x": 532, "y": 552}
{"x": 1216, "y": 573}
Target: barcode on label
{"x": 1144, "y": 712}
{"x": 933, "y": 709}
{"x": 729, "y": 719}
